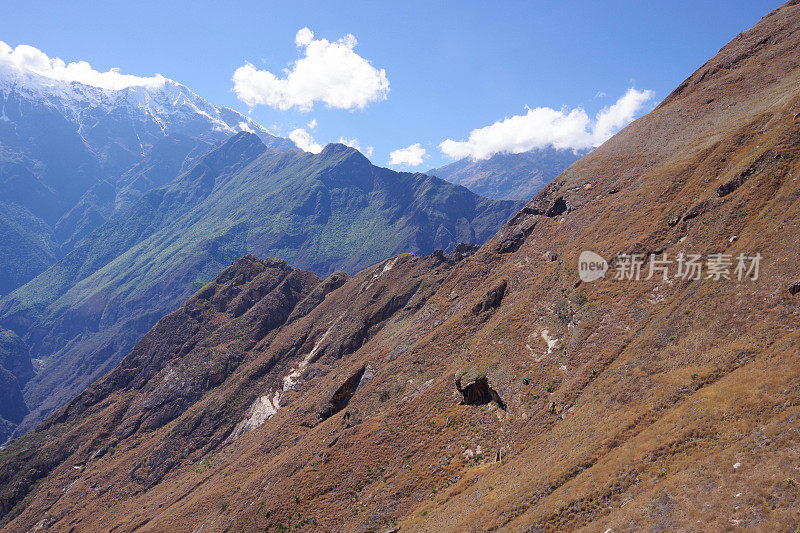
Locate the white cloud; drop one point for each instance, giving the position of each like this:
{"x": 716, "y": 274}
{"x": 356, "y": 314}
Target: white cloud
{"x": 354, "y": 143}
{"x": 612, "y": 119}
{"x": 542, "y": 126}
{"x": 305, "y": 141}
{"x": 410, "y": 156}
{"x": 329, "y": 72}
{"x": 313, "y": 124}
{"x": 538, "y": 128}
{"x": 30, "y": 59}
{"x": 304, "y": 37}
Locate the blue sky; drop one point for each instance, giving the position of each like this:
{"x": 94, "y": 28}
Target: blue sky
{"x": 451, "y": 67}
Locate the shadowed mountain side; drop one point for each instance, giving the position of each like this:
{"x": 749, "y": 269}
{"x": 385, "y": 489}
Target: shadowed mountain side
{"x": 16, "y": 369}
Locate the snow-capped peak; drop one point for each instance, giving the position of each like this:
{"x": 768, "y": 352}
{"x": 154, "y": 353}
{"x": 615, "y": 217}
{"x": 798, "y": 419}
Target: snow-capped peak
{"x": 166, "y": 107}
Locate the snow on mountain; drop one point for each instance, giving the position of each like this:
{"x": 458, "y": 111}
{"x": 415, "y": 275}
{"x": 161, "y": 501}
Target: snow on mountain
{"x": 162, "y": 108}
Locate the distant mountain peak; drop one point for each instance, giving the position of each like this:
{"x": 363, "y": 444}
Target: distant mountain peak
{"x": 338, "y": 154}
{"x": 244, "y": 138}
{"x": 236, "y": 151}
{"x": 509, "y": 176}
{"x": 333, "y": 149}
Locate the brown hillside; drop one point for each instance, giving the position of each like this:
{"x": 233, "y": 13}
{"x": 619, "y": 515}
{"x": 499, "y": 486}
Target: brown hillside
{"x": 662, "y": 405}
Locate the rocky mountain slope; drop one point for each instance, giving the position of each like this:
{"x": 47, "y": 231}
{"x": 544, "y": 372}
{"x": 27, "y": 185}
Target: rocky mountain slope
{"x": 67, "y": 152}
{"x": 495, "y": 391}
{"x": 509, "y": 176}
{"x": 334, "y": 210}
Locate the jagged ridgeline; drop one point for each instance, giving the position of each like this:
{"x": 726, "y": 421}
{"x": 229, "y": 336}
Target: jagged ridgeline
{"x": 485, "y": 389}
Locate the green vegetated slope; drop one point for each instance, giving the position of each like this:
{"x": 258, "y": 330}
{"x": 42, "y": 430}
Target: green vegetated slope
{"x": 325, "y": 212}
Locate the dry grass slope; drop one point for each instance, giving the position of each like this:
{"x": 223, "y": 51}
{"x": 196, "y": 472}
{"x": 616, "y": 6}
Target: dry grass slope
{"x": 663, "y": 405}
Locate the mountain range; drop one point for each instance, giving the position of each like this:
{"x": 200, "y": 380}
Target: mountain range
{"x": 72, "y": 155}
{"x": 163, "y": 190}
{"x": 517, "y": 176}
{"x": 488, "y": 388}
{"x": 116, "y": 205}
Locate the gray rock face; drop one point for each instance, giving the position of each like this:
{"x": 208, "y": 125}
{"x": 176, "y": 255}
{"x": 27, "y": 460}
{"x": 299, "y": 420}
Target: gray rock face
{"x": 794, "y": 288}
